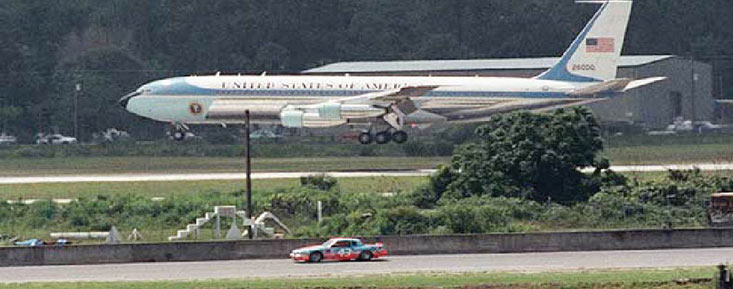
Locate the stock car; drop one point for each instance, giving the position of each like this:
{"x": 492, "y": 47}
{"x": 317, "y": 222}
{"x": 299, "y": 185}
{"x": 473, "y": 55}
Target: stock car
{"x": 339, "y": 249}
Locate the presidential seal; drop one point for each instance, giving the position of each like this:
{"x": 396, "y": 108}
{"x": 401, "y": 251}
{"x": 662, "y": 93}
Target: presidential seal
{"x": 195, "y": 108}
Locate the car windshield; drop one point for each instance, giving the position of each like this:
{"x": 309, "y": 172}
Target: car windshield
{"x": 328, "y": 243}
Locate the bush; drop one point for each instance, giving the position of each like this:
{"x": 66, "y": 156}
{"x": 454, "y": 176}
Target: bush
{"x": 428, "y": 196}
{"x": 304, "y": 202}
{"x": 475, "y": 216}
{"x": 403, "y": 221}
{"x": 321, "y": 182}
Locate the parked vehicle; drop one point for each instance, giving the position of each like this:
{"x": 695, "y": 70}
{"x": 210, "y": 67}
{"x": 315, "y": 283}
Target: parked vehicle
{"x": 339, "y": 249}
{"x": 56, "y": 139}
{"x": 7, "y": 139}
{"x": 262, "y": 134}
{"x": 110, "y": 135}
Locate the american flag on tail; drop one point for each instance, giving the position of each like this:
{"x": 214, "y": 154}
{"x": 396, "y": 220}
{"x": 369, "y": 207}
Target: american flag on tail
{"x": 602, "y": 45}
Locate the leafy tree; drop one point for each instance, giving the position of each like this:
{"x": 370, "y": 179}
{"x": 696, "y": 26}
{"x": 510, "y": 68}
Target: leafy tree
{"x": 534, "y": 156}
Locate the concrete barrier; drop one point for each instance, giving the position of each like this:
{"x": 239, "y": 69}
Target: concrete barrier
{"x": 397, "y": 245}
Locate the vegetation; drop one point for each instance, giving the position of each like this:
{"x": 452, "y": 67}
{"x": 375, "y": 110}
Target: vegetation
{"x": 168, "y": 157}
{"x": 533, "y": 156}
{"x": 264, "y": 187}
{"x": 159, "y": 165}
{"x": 623, "y": 279}
{"x": 110, "y": 48}
{"x": 444, "y": 205}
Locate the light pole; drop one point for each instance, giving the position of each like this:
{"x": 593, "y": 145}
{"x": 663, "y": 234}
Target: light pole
{"x": 248, "y": 171}
{"x": 77, "y": 89}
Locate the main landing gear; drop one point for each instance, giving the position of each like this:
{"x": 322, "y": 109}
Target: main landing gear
{"x": 383, "y": 137}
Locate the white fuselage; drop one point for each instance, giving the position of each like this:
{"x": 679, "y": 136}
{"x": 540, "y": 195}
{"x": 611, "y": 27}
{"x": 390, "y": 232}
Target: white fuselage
{"x": 221, "y": 99}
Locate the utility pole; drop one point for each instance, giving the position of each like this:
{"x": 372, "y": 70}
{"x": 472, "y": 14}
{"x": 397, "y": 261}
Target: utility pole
{"x": 77, "y": 89}
{"x": 248, "y": 171}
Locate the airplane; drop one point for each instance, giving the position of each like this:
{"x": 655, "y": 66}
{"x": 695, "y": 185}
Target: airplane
{"x": 383, "y": 107}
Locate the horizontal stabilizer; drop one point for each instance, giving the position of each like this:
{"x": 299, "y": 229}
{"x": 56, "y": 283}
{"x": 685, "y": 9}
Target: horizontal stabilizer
{"x": 615, "y": 85}
{"x": 643, "y": 82}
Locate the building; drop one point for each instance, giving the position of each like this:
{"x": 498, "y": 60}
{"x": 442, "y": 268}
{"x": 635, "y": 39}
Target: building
{"x": 686, "y": 94}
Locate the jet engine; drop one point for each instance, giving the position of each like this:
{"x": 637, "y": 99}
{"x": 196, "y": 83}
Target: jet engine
{"x": 326, "y": 114}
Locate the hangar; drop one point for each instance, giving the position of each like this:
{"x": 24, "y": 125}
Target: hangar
{"x": 686, "y": 94}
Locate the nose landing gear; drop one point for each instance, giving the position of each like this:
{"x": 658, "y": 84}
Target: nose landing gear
{"x": 178, "y": 132}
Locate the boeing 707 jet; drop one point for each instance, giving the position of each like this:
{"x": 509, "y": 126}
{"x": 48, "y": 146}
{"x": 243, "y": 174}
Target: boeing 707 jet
{"x": 383, "y": 107}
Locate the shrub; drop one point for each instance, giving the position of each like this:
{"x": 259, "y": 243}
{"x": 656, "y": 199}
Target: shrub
{"x": 321, "y": 182}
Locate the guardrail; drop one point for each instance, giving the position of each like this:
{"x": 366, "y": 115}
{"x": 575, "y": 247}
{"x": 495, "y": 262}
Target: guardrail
{"x": 396, "y": 245}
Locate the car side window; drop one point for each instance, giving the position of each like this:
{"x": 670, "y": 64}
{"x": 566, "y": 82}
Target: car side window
{"x": 341, "y": 244}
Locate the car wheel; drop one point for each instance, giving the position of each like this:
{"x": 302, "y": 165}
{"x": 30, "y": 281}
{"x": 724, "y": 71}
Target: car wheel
{"x": 316, "y": 257}
{"x": 365, "y": 256}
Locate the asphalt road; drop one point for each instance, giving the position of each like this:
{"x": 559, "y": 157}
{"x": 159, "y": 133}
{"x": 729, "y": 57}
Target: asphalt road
{"x": 283, "y": 268}
{"x": 291, "y": 175}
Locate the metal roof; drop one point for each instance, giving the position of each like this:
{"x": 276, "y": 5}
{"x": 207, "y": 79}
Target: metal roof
{"x": 465, "y": 65}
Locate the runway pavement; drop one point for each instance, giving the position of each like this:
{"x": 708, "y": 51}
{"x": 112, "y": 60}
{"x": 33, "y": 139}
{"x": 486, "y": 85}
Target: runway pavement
{"x": 284, "y": 268}
{"x": 291, "y": 175}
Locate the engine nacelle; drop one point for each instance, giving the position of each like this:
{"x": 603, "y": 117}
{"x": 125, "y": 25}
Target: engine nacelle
{"x": 299, "y": 118}
{"x": 327, "y": 114}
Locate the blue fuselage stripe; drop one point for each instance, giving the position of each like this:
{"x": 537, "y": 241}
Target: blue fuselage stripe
{"x": 342, "y": 93}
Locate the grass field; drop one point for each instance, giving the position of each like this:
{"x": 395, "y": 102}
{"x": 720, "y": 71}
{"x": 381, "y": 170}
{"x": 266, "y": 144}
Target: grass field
{"x": 671, "y": 154}
{"x": 630, "y": 155}
{"x": 165, "y": 189}
{"x": 117, "y": 165}
{"x": 643, "y": 278}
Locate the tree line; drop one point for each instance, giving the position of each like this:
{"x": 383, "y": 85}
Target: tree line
{"x": 106, "y": 49}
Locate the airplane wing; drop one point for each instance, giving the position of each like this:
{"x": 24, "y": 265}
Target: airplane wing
{"x": 484, "y": 113}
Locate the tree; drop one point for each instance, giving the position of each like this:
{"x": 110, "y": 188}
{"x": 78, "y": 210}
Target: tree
{"x": 534, "y": 156}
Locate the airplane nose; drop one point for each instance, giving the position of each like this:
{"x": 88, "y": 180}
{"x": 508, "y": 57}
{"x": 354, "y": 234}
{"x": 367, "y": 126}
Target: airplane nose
{"x": 125, "y": 99}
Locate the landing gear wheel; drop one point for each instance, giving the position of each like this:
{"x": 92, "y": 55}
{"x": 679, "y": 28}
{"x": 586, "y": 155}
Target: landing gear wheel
{"x": 365, "y": 256}
{"x": 365, "y": 138}
{"x": 315, "y": 257}
{"x": 179, "y": 135}
{"x": 399, "y": 137}
{"x": 383, "y": 137}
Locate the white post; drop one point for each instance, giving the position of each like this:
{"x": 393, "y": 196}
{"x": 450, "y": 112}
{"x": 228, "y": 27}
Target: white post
{"x": 218, "y": 227}
{"x": 320, "y": 211}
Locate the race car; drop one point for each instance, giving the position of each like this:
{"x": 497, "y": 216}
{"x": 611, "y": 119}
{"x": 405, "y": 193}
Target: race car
{"x": 339, "y": 249}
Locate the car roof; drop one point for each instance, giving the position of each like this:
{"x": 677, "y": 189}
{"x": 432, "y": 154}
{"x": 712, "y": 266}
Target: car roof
{"x": 345, "y": 239}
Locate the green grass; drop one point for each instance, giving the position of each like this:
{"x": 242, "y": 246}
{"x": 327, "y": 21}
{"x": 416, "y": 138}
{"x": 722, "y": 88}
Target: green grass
{"x": 180, "y": 188}
{"x": 671, "y": 154}
{"x": 117, "y": 165}
{"x": 643, "y": 278}
{"x": 165, "y": 189}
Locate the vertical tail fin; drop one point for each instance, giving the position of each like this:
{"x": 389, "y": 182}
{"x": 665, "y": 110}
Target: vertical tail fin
{"x": 595, "y": 53}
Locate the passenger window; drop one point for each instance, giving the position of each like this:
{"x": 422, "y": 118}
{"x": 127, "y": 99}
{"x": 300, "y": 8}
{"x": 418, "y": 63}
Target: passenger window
{"x": 341, "y": 244}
